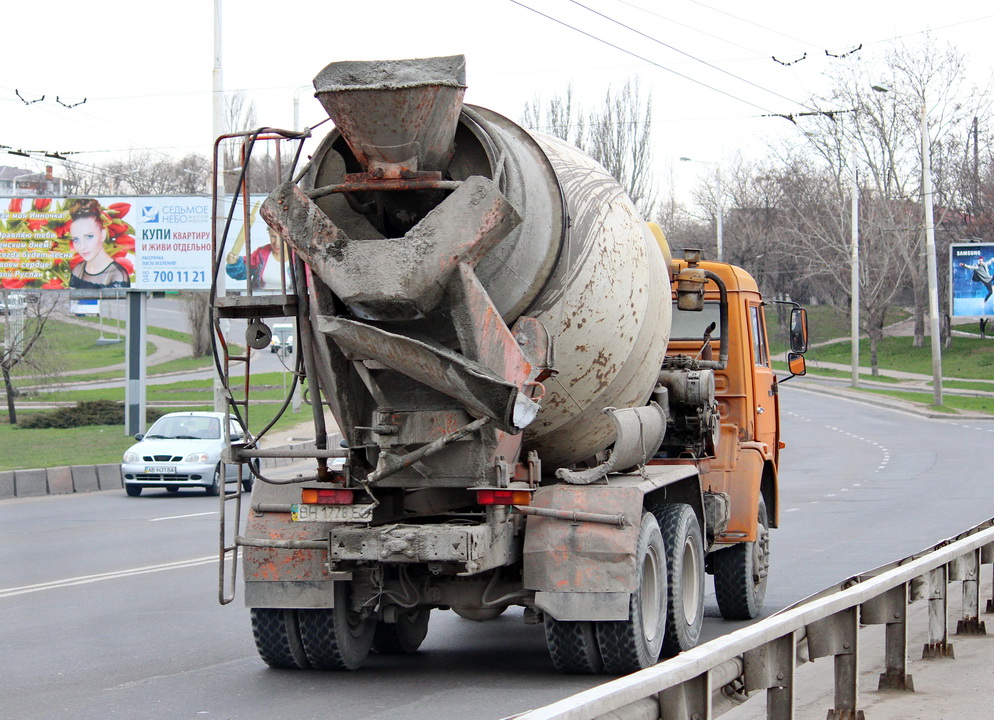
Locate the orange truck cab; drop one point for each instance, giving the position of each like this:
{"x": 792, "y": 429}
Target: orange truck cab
{"x": 741, "y": 455}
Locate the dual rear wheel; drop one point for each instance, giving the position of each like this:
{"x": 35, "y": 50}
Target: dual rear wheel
{"x": 666, "y": 611}
{"x": 332, "y": 638}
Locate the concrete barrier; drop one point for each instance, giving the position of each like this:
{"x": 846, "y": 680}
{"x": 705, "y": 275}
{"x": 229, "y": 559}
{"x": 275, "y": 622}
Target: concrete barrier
{"x": 59, "y": 481}
{"x": 6, "y": 484}
{"x": 38, "y": 482}
{"x": 31, "y": 483}
{"x": 84, "y": 478}
{"x": 109, "y": 476}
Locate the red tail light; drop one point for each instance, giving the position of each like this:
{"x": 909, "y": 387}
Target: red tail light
{"x": 330, "y": 496}
{"x": 492, "y": 496}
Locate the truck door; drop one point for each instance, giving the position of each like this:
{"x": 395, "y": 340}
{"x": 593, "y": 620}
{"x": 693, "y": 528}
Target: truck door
{"x": 764, "y": 382}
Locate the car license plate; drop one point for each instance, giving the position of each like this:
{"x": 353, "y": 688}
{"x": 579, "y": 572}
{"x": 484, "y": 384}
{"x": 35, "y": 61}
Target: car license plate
{"x": 160, "y": 469}
{"x": 331, "y": 513}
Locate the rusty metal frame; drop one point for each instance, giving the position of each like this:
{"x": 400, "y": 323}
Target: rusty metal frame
{"x": 764, "y": 656}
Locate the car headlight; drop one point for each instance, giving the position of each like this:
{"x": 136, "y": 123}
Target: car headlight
{"x": 130, "y": 457}
{"x": 197, "y": 458}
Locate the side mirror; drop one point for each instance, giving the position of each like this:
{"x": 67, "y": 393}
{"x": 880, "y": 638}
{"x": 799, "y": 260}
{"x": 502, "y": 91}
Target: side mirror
{"x": 798, "y": 331}
{"x": 796, "y": 364}
{"x": 234, "y": 437}
{"x": 139, "y": 436}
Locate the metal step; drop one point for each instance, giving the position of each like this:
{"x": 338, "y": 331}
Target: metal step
{"x": 256, "y": 306}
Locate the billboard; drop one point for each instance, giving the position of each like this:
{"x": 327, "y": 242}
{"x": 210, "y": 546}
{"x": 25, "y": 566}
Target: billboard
{"x": 143, "y": 243}
{"x": 971, "y": 281}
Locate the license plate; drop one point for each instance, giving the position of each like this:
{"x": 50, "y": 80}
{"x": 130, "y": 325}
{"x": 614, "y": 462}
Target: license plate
{"x": 331, "y": 513}
{"x": 160, "y": 469}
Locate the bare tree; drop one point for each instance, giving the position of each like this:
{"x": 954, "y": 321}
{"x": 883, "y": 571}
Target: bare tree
{"x": 24, "y": 326}
{"x": 197, "y": 307}
{"x": 618, "y": 135}
{"x": 873, "y": 117}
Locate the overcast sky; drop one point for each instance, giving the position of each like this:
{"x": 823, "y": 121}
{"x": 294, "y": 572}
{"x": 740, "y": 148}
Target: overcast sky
{"x": 145, "y": 68}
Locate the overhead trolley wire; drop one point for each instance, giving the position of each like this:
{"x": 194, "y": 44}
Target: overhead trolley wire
{"x": 640, "y": 57}
{"x": 686, "y": 54}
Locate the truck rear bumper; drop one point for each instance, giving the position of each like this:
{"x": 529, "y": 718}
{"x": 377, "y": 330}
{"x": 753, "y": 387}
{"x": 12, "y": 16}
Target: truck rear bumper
{"x": 476, "y": 547}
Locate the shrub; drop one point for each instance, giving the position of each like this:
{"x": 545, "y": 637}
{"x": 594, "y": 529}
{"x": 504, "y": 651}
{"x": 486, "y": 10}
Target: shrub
{"x": 90, "y": 412}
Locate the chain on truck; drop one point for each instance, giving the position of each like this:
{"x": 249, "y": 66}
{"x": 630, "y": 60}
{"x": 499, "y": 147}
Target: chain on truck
{"x": 537, "y": 406}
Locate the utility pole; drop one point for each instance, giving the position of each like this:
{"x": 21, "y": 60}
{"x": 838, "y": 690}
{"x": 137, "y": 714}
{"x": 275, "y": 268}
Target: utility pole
{"x": 220, "y": 404}
{"x": 933, "y": 289}
{"x": 854, "y": 278}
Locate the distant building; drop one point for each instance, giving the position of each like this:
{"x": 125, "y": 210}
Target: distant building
{"x": 18, "y": 181}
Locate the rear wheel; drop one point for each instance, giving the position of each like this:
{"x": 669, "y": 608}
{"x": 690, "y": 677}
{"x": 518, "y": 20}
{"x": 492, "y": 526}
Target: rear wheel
{"x": 740, "y": 573}
{"x": 248, "y": 479}
{"x": 337, "y": 638}
{"x": 685, "y": 574}
{"x": 277, "y": 638}
{"x": 133, "y": 490}
{"x": 573, "y": 646}
{"x": 404, "y": 636}
{"x": 214, "y": 488}
{"x": 634, "y": 644}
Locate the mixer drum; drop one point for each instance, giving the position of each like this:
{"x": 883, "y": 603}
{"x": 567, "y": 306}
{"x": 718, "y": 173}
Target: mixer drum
{"x": 581, "y": 261}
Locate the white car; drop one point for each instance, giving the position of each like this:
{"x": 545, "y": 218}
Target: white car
{"x": 182, "y": 450}
{"x": 282, "y": 338}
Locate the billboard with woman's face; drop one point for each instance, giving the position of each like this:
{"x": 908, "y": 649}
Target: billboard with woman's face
{"x": 57, "y": 243}
{"x": 141, "y": 243}
{"x": 971, "y": 282}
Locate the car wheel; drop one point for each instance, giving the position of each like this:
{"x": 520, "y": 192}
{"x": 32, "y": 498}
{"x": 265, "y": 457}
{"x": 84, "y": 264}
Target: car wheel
{"x": 172, "y": 489}
{"x": 215, "y": 487}
{"x": 248, "y": 479}
{"x": 133, "y": 490}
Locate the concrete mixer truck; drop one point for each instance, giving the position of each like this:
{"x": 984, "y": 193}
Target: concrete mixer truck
{"x": 538, "y": 407}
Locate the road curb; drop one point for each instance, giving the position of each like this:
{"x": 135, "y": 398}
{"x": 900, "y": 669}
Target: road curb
{"x": 880, "y": 400}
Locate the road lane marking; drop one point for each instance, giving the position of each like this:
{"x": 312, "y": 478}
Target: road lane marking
{"x": 179, "y": 517}
{"x": 87, "y": 579}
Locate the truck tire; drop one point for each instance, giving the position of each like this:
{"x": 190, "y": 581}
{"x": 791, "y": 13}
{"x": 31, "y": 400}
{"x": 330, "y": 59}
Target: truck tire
{"x": 277, "y": 638}
{"x": 336, "y": 638}
{"x": 684, "y": 574}
{"x": 634, "y": 644}
{"x": 404, "y": 636}
{"x": 740, "y": 573}
{"x": 573, "y": 646}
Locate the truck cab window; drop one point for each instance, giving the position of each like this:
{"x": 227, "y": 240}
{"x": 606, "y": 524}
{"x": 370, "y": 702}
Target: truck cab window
{"x": 760, "y": 354}
{"x": 690, "y": 325}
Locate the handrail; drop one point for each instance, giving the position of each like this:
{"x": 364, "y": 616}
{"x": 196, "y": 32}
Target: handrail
{"x": 827, "y": 624}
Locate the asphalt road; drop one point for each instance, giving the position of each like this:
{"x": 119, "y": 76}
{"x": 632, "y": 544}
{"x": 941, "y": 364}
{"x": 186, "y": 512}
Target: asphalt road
{"x": 109, "y": 605}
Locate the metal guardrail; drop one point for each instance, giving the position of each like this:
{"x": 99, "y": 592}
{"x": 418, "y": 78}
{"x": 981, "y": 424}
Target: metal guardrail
{"x": 697, "y": 684}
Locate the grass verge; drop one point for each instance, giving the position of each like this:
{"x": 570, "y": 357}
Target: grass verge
{"x": 98, "y": 444}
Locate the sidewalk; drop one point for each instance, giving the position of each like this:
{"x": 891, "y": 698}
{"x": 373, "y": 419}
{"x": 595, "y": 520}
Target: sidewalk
{"x": 944, "y": 688}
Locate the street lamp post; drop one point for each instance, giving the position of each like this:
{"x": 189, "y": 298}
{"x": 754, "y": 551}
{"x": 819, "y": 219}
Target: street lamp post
{"x": 719, "y": 219}
{"x": 930, "y": 261}
{"x": 854, "y": 277}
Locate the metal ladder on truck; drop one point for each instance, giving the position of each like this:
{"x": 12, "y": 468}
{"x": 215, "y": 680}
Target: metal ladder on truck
{"x": 254, "y": 308}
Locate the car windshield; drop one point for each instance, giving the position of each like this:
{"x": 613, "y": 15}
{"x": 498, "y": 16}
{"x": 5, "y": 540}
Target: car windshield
{"x": 187, "y": 427}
